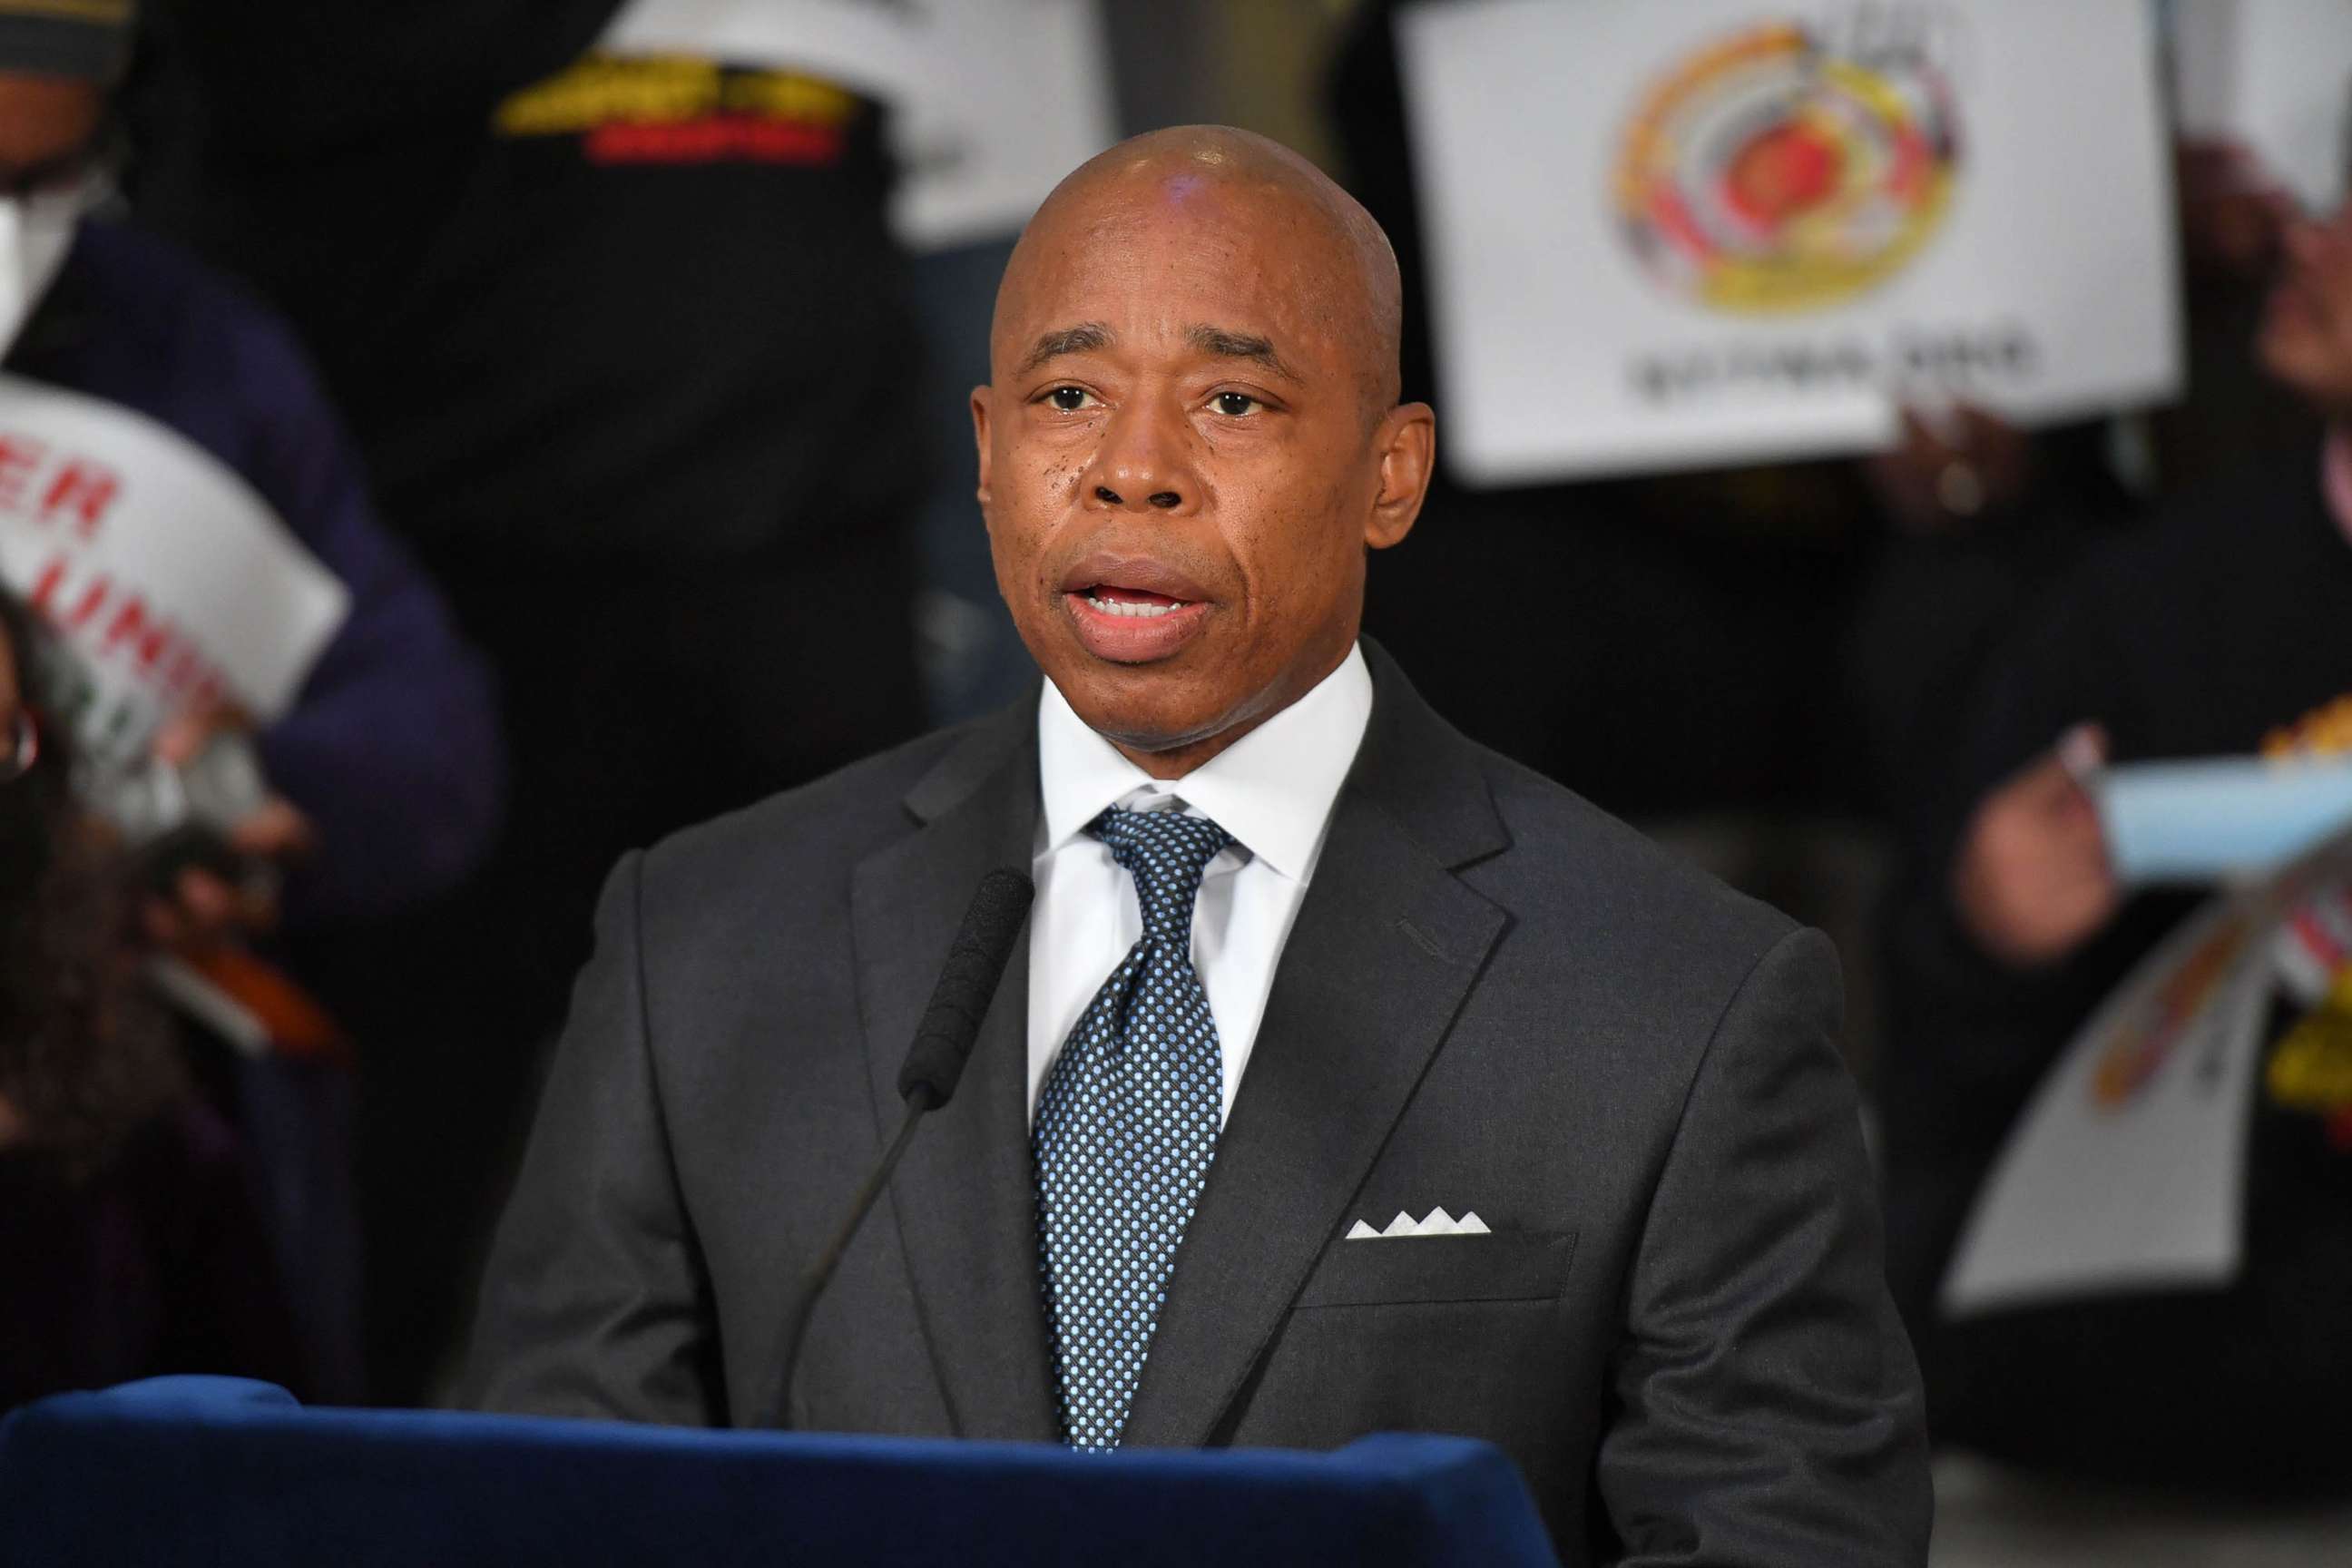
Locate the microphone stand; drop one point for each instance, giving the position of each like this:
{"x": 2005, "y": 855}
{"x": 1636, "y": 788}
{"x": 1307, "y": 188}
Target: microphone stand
{"x": 935, "y": 1064}
{"x": 919, "y": 1103}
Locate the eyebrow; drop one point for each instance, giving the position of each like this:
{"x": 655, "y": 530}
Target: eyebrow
{"x": 1090, "y": 337}
{"x": 1085, "y": 338}
{"x": 1226, "y": 344}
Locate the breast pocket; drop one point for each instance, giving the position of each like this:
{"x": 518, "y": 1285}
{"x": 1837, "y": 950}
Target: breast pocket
{"x": 1504, "y": 1266}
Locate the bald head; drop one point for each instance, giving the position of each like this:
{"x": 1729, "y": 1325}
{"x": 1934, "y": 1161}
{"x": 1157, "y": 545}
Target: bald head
{"x": 1191, "y": 439}
{"x": 1243, "y": 192}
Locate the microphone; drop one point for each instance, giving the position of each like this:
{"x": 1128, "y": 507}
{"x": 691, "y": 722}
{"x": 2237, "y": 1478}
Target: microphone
{"x": 935, "y": 1063}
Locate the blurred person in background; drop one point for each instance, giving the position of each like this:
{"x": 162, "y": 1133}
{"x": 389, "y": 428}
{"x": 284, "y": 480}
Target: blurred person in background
{"x": 2226, "y": 622}
{"x": 1975, "y": 513}
{"x": 1704, "y": 625}
{"x": 2234, "y": 215}
{"x": 1982, "y": 515}
{"x": 1737, "y": 658}
{"x": 387, "y": 771}
{"x": 127, "y": 1215}
{"x": 384, "y": 777}
{"x": 627, "y": 343}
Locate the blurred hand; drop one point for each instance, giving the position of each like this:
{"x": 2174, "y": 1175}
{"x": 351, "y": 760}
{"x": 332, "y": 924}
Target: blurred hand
{"x": 203, "y": 908}
{"x": 2232, "y": 212}
{"x": 2306, "y": 341}
{"x": 183, "y": 735}
{"x": 2031, "y": 881}
{"x": 1947, "y": 470}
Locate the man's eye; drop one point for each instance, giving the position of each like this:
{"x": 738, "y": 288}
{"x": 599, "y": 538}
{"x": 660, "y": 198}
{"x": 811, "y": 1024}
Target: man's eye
{"x": 1068, "y": 399}
{"x": 1235, "y": 404}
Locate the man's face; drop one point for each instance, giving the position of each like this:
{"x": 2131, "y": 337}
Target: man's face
{"x": 47, "y": 126}
{"x": 1181, "y": 461}
{"x": 2306, "y": 332}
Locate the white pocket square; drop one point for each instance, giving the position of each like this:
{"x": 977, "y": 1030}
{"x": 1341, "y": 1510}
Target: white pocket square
{"x": 1438, "y": 1223}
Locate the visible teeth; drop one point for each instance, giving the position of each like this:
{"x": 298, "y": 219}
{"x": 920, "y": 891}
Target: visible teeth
{"x": 1121, "y": 607}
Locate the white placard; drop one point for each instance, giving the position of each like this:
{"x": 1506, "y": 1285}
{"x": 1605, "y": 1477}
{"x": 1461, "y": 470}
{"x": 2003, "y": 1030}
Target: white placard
{"x": 992, "y": 101}
{"x": 2127, "y": 1170}
{"x": 2274, "y": 76}
{"x": 166, "y": 577}
{"x": 1666, "y": 236}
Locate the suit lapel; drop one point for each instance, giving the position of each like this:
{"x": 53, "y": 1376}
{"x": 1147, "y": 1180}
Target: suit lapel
{"x": 962, "y": 1198}
{"x": 1386, "y": 944}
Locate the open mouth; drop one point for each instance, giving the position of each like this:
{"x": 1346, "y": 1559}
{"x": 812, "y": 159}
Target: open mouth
{"x": 1134, "y": 609}
{"x": 1138, "y": 602}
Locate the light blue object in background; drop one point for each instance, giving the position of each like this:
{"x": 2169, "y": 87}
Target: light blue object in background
{"x": 2208, "y": 820}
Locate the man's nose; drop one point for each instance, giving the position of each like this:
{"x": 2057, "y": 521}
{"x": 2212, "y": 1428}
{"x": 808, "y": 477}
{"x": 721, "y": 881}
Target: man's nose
{"x": 1143, "y": 464}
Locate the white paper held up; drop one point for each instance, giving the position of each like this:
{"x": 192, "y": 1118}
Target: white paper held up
{"x": 1670, "y": 235}
{"x": 2127, "y": 1169}
{"x": 166, "y": 577}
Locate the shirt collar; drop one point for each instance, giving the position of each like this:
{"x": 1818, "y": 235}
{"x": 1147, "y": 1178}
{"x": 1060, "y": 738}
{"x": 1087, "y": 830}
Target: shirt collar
{"x": 1272, "y": 789}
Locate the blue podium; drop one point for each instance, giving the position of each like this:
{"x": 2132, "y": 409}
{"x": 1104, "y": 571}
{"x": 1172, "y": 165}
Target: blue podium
{"x": 220, "y": 1470}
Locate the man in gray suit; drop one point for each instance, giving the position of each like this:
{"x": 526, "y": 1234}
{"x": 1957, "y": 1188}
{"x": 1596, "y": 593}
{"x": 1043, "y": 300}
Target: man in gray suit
{"x": 1419, "y": 1095}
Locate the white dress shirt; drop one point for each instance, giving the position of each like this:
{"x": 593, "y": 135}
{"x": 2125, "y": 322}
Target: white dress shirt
{"x": 1271, "y": 790}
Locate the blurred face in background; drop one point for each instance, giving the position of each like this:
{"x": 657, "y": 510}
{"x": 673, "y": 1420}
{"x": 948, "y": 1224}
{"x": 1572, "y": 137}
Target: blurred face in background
{"x": 2306, "y": 331}
{"x": 1185, "y": 450}
{"x": 25, "y": 807}
{"x": 47, "y": 127}
{"x": 49, "y": 131}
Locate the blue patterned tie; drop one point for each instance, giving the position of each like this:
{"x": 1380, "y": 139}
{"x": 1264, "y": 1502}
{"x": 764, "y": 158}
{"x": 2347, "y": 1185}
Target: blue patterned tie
{"x": 1126, "y": 1128}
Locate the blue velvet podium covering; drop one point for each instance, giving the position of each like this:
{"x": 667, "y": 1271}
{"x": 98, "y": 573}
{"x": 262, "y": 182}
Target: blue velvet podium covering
{"x": 219, "y": 1470}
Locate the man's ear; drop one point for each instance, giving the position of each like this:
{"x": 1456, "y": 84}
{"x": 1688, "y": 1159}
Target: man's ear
{"x": 1406, "y": 447}
{"x": 979, "y": 411}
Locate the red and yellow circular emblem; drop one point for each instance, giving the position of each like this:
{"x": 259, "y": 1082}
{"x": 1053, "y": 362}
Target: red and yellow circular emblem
{"x": 1766, "y": 174}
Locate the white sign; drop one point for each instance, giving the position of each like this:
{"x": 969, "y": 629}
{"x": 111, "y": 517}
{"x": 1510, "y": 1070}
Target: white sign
{"x": 167, "y": 579}
{"x": 2275, "y": 77}
{"x": 1680, "y": 235}
{"x": 2127, "y": 1170}
{"x": 992, "y": 101}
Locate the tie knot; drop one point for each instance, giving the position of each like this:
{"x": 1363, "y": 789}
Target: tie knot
{"x": 1165, "y": 852}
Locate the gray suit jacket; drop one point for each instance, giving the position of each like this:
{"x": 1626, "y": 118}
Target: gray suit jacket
{"x": 1494, "y": 998}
